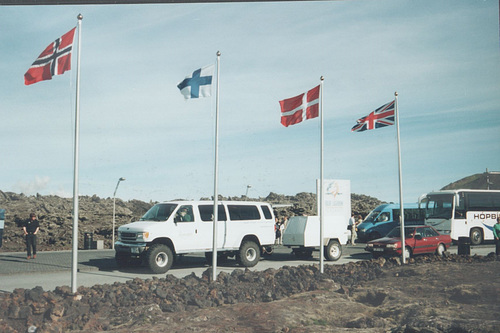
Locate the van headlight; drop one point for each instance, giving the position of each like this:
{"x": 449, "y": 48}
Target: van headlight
{"x": 143, "y": 236}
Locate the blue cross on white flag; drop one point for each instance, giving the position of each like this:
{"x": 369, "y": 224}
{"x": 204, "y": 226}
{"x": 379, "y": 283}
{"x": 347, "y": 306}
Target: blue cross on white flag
{"x": 198, "y": 84}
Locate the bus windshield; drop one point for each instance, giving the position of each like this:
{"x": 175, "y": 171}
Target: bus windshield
{"x": 159, "y": 212}
{"x": 439, "y": 206}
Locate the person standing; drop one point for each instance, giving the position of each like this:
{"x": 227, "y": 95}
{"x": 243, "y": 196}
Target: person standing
{"x": 496, "y": 235}
{"x": 352, "y": 227}
{"x": 31, "y": 228}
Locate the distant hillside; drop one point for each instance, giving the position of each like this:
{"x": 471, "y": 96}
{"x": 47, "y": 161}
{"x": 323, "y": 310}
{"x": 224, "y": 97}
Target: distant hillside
{"x": 479, "y": 181}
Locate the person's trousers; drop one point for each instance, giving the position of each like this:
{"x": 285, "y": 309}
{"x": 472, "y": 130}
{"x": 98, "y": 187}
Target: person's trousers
{"x": 497, "y": 247}
{"x": 31, "y": 244}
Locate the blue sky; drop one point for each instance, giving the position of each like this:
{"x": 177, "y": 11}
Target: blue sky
{"x": 443, "y": 58}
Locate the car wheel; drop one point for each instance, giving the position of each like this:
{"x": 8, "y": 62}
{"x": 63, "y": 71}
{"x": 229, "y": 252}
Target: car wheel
{"x": 476, "y": 236}
{"x": 160, "y": 258}
{"x": 333, "y": 251}
{"x": 249, "y": 254}
{"x": 440, "y": 249}
{"x": 407, "y": 252}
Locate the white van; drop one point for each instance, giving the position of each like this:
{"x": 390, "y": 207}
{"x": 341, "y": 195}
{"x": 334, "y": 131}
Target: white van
{"x": 180, "y": 227}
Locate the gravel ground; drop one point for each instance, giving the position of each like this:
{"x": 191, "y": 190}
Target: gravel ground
{"x": 430, "y": 294}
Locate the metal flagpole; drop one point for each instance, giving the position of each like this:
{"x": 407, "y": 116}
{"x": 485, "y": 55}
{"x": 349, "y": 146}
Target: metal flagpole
{"x": 216, "y": 172}
{"x": 401, "y": 208}
{"x": 74, "y": 263}
{"x": 321, "y": 196}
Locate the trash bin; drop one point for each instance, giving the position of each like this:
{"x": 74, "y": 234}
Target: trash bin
{"x": 464, "y": 245}
{"x": 88, "y": 238}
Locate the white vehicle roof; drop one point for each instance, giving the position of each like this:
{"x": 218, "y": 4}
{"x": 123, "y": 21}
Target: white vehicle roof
{"x": 226, "y": 202}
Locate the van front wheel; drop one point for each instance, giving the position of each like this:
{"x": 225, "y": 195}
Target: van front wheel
{"x": 159, "y": 258}
{"x": 249, "y": 254}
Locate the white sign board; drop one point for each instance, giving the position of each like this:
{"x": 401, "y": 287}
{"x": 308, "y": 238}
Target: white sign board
{"x": 337, "y": 197}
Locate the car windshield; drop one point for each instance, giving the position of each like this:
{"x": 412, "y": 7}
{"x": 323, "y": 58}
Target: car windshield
{"x": 396, "y": 232}
{"x": 439, "y": 206}
{"x": 159, "y": 212}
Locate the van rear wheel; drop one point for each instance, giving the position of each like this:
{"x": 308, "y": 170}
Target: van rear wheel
{"x": 249, "y": 254}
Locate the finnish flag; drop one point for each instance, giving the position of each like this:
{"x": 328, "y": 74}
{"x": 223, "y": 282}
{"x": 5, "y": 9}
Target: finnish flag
{"x": 198, "y": 84}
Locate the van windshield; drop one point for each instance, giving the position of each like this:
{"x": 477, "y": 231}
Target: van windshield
{"x": 159, "y": 212}
{"x": 372, "y": 217}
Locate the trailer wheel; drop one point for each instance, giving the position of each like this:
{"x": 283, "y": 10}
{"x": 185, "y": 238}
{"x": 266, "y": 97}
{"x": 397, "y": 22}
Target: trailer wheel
{"x": 159, "y": 258}
{"x": 333, "y": 251}
{"x": 249, "y": 254}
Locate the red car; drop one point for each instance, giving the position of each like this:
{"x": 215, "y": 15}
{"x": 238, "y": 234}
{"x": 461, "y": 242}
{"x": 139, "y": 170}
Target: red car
{"x": 418, "y": 240}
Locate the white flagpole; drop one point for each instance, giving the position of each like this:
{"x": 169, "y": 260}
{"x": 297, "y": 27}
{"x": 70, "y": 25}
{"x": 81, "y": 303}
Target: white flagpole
{"x": 216, "y": 172}
{"x": 401, "y": 208}
{"x": 321, "y": 196}
{"x": 74, "y": 264}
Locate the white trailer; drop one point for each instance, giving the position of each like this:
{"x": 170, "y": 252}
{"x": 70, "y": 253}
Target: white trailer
{"x": 302, "y": 233}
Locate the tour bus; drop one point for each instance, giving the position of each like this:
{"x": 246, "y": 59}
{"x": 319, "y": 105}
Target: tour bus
{"x": 385, "y": 217}
{"x": 462, "y": 213}
{"x": 172, "y": 228}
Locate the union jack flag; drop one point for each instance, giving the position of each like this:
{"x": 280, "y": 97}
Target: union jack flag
{"x": 383, "y": 116}
{"x": 54, "y": 60}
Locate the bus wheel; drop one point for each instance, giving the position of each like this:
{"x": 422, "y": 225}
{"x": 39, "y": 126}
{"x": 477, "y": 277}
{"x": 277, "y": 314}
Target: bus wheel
{"x": 476, "y": 236}
{"x": 440, "y": 249}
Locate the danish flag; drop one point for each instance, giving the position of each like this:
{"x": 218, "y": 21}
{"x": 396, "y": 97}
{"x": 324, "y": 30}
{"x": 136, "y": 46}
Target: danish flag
{"x": 54, "y": 60}
{"x": 296, "y": 109}
{"x": 383, "y": 116}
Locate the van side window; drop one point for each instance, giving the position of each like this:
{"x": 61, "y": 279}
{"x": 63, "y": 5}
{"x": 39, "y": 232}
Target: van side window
{"x": 243, "y": 212}
{"x": 184, "y": 214}
{"x": 207, "y": 213}
{"x": 267, "y": 212}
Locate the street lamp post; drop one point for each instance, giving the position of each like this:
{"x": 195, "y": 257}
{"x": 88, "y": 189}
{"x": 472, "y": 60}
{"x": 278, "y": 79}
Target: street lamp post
{"x": 114, "y": 211}
{"x": 248, "y": 187}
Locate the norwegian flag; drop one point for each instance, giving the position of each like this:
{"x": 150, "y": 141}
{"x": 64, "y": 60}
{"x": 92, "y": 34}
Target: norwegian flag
{"x": 54, "y": 60}
{"x": 383, "y": 116}
{"x": 299, "y": 108}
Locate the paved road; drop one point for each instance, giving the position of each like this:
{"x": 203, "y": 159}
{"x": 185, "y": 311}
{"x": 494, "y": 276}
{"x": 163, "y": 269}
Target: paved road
{"x": 52, "y": 269}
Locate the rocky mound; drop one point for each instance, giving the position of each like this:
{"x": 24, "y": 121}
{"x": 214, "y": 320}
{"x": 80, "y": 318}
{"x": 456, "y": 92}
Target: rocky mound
{"x": 96, "y": 216}
{"x": 430, "y": 294}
